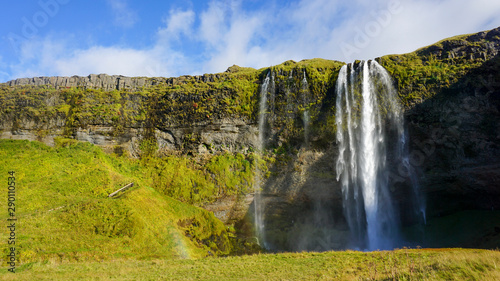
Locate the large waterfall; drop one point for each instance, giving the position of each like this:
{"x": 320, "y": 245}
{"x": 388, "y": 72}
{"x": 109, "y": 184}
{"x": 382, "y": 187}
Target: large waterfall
{"x": 370, "y": 127}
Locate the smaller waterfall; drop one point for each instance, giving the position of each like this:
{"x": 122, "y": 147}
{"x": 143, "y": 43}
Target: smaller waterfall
{"x": 258, "y": 202}
{"x": 306, "y": 116}
{"x": 418, "y": 202}
{"x": 271, "y": 91}
{"x": 263, "y": 111}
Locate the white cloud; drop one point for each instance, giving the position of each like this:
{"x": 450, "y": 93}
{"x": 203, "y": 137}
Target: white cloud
{"x": 212, "y": 27}
{"x": 414, "y": 25}
{"x": 178, "y": 23}
{"x": 425, "y": 22}
{"x": 57, "y": 57}
{"x": 110, "y": 60}
{"x": 37, "y": 57}
{"x": 123, "y": 15}
{"x": 230, "y": 34}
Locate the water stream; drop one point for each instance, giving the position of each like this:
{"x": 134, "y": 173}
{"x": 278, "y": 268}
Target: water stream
{"x": 305, "y": 101}
{"x": 258, "y": 202}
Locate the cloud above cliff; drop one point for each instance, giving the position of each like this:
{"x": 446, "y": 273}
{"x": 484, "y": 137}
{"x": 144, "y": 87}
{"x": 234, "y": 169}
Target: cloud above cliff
{"x": 122, "y": 14}
{"x": 179, "y": 37}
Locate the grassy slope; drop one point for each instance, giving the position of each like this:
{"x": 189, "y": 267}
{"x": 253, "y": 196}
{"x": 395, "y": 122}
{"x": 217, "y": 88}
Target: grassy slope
{"x": 444, "y": 264}
{"x": 64, "y": 212}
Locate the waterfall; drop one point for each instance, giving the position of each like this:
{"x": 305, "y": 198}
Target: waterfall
{"x": 305, "y": 117}
{"x": 418, "y": 201}
{"x": 370, "y": 128}
{"x": 263, "y": 112}
{"x": 258, "y": 202}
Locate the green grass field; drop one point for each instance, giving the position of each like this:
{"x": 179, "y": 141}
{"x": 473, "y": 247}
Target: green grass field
{"x": 426, "y": 264}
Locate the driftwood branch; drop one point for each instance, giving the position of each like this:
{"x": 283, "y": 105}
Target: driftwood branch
{"x": 60, "y": 207}
{"x": 121, "y": 189}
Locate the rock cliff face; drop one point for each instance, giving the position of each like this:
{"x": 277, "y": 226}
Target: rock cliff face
{"x": 105, "y": 82}
{"x": 120, "y": 113}
{"x": 450, "y": 90}
{"x": 456, "y": 139}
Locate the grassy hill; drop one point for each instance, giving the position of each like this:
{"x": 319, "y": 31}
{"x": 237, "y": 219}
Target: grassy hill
{"x": 64, "y": 213}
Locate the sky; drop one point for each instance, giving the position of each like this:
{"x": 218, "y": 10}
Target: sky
{"x": 190, "y": 37}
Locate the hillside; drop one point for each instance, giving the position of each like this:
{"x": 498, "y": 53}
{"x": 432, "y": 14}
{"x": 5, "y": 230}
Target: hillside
{"x": 65, "y": 214}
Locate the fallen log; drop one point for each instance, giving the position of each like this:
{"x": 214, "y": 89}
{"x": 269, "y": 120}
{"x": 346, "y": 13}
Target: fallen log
{"x": 121, "y": 189}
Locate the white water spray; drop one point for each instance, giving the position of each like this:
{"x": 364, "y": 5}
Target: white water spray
{"x": 370, "y": 126}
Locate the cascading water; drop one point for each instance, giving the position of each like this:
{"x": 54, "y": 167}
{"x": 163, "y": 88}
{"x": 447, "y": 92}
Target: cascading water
{"x": 369, "y": 124}
{"x": 263, "y": 111}
{"x": 402, "y": 153}
{"x": 305, "y": 117}
{"x": 258, "y": 202}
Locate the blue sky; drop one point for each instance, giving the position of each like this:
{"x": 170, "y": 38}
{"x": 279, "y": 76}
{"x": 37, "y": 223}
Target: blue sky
{"x": 172, "y": 38}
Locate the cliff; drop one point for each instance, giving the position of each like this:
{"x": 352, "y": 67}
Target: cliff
{"x": 103, "y": 81}
{"x": 450, "y": 92}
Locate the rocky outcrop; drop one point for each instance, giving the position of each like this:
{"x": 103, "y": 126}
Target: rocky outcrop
{"x": 107, "y": 82}
{"x": 482, "y": 45}
{"x": 101, "y": 81}
{"x": 231, "y": 209}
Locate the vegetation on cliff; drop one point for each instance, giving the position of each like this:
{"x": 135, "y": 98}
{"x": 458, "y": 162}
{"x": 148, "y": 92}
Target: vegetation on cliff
{"x": 422, "y": 74}
{"x": 189, "y": 101}
{"x": 206, "y": 178}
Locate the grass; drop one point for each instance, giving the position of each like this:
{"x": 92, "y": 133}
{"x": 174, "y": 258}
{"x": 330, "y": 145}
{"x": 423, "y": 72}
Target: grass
{"x": 405, "y": 264}
{"x": 69, "y": 230}
{"x": 64, "y": 213}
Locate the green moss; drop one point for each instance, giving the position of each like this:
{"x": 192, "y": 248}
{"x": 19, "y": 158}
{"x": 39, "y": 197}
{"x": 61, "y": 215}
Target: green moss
{"x": 203, "y": 180}
{"x": 234, "y": 173}
{"x": 179, "y": 101}
{"x": 204, "y": 229}
{"x": 294, "y": 101}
